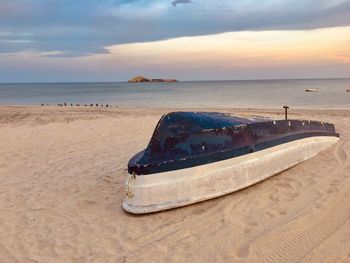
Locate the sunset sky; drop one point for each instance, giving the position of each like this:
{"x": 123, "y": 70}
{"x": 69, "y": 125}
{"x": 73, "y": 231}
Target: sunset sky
{"x": 114, "y": 40}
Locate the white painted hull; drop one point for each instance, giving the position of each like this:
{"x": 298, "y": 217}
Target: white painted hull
{"x": 161, "y": 191}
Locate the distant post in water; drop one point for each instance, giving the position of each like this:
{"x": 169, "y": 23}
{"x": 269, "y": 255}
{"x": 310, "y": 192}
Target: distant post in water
{"x": 286, "y": 111}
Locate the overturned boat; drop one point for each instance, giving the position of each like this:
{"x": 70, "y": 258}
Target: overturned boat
{"x": 195, "y": 156}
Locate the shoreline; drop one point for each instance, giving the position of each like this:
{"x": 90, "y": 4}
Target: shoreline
{"x": 116, "y": 106}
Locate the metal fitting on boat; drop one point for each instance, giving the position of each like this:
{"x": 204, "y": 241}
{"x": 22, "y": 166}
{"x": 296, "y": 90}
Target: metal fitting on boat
{"x": 286, "y": 111}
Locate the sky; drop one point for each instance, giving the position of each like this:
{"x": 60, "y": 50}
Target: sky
{"x": 114, "y": 40}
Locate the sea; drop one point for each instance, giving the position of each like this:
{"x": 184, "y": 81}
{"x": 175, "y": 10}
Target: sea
{"x": 331, "y": 93}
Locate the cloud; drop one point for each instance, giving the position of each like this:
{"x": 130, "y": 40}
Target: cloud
{"x": 238, "y": 55}
{"x": 176, "y": 2}
{"x": 81, "y": 28}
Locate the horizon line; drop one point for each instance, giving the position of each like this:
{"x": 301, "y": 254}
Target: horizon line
{"x": 208, "y": 80}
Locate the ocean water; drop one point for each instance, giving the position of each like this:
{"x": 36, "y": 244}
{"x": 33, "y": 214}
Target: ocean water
{"x": 258, "y": 93}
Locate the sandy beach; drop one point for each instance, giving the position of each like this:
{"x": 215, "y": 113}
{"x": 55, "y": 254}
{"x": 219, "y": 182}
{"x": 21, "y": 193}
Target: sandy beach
{"x": 62, "y": 174}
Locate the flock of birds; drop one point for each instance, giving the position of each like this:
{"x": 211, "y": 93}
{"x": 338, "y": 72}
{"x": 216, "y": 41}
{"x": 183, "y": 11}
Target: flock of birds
{"x": 65, "y": 104}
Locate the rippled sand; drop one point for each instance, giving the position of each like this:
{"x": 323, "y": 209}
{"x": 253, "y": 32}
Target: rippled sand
{"x": 62, "y": 173}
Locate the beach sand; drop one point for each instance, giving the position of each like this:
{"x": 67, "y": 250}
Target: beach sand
{"x": 62, "y": 174}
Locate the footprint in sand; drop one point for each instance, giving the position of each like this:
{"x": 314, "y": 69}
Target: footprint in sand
{"x": 282, "y": 212}
{"x": 247, "y": 230}
{"x": 334, "y": 182}
{"x": 329, "y": 191}
{"x": 243, "y": 251}
{"x": 291, "y": 196}
{"x": 274, "y": 197}
{"x": 253, "y": 223}
{"x": 270, "y": 214}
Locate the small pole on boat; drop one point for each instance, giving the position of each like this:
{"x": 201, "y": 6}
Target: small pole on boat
{"x": 286, "y": 111}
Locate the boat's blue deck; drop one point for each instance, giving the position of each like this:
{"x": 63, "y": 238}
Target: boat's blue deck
{"x": 191, "y": 122}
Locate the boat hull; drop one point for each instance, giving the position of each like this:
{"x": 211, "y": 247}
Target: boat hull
{"x": 166, "y": 190}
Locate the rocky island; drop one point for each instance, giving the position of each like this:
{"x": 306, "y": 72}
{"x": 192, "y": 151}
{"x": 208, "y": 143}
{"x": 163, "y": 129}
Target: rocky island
{"x": 144, "y": 79}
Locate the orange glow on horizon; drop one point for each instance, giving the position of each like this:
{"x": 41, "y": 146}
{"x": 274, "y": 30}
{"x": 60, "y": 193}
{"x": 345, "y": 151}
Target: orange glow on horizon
{"x": 244, "y": 48}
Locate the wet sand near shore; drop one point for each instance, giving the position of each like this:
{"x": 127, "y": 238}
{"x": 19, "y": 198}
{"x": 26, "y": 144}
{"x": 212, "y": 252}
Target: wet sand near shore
{"x": 62, "y": 174}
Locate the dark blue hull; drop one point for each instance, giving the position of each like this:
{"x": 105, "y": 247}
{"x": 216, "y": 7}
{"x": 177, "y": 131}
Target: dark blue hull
{"x": 187, "y": 139}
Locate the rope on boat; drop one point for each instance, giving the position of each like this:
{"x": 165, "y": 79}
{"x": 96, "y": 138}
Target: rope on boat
{"x": 129, "y": 194}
